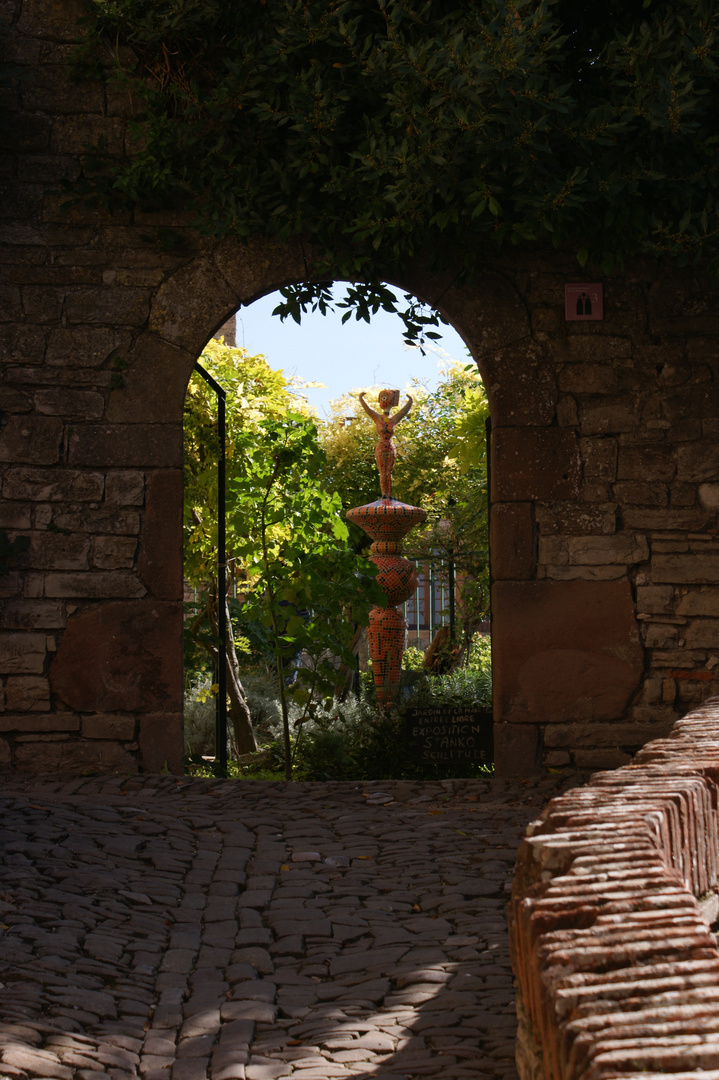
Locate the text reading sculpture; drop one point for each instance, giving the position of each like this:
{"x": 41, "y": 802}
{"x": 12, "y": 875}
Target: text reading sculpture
{"x": 387, "y": 521}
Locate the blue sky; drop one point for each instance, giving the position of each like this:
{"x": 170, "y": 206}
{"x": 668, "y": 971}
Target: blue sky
{"x": 356, "y": 355}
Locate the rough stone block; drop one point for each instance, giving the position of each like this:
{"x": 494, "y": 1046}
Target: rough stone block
{"x": 703, "y": 634}
{"x": 588, "y": 379}
{"x": 701, "y": 601}
{"x": 697, "y": 520}
{"x": 622, "y": 549}
{"x": 527, "y": 392}
{"x": 595, "y": 493}
{"x": 139, "y": 445}
{"x": 56, "y": 551}
{"x": 690, "y": 569}
{"x": 691, "y": 402}
{"x": 690, "y": 693}
{"x": 53, "y": 20}
{"x": 609, "y": 572}
{"x": 31, "y": 440}
{"x": 633, "y": 492}
{"x": 577, "y": 520}
{"x": 646, "y": 463}
{"x": 22, "y": 654}
{"x": 605, "y": 735}
{"x": 73, "y": 757}
{"x": 709, "y": 495}
{"x": 125, "y": 487}
{"x": 15, "y": 516}
{"x": 22, "y": 343}
{"x": 656, "y": 600}
{"x": 52, "y": 485}
{"x": 99, "y": 520}
{"x": 180, "y": 305}
{"x": 601, "y": 759}
{"x": 154, "y": 386}
{"x": 13, "y": 400}
{"x": 652, "y": 692}
{"x": 10, "y": 304}
{"x": 564, "y": 650}
{"x": 681, "y": 658}
{"x": 50, "y": 722}
{"x": 512, "y": 542}
{"x": 517, "y": 750}
{"x": 42, "y": 304}
{"x": 161, "y": 742}
{"x": 590, "y": 348}
{"x": 698, "y": 462}
{"x": 98, "y": 584}
{"x": 531, "y": 464}
{"x": 114, "y": 552}
{"x": 121, "y": 657}
{"x": 660, "y": 635}
{"x": 556, "y": 758}
{"x": 160, "y": 559}
{"x": 251, "y": 272}
{"x": 79, "y": 347}
{"x": 108, "y": 306}
{"x": 101, "y": 726}
{"x": 27, "y": 693}
{"x": 609, "y": 419}
{"x": 26, "y": 614}
{"x": 567, "y": 412}
{"x": 85, "y": 404}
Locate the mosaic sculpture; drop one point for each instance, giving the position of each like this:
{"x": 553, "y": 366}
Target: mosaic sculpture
{"x": 387, "y": 521}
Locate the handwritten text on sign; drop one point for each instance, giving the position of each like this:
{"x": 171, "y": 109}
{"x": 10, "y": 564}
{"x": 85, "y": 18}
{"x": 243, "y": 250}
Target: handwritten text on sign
{"x": 447, "y": 733}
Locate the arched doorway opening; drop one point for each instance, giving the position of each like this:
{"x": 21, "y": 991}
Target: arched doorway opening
{"x": 533, "y": 458}
{"x": 439, "y": 470}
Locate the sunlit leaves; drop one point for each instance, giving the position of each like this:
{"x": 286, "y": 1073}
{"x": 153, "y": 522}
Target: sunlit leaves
{"x": 441, "y": 466}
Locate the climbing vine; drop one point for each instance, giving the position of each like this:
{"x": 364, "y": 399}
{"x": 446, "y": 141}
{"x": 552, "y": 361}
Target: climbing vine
{"x": 384, "y": 130}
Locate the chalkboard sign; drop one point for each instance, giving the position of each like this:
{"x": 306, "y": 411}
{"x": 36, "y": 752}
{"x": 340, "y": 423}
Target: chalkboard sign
{"x": 449, "y": 733}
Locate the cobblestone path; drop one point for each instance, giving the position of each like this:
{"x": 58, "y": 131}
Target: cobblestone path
{"x": 182, "y": 929}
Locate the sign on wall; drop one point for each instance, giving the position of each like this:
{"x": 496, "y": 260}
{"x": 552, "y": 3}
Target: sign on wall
{"x": 446, "y": 734}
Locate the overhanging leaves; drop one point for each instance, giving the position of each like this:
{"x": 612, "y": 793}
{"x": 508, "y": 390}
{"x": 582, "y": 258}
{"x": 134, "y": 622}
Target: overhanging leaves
{"x": 388, "y": 130}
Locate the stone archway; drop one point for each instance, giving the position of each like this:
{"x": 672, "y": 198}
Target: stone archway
{"x": 124, "y": 656}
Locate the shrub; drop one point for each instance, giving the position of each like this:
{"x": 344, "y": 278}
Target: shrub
{"x": 351, "y": 740}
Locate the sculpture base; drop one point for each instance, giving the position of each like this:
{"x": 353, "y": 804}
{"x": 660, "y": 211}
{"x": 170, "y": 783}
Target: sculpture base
{"x": 387, "y": 638}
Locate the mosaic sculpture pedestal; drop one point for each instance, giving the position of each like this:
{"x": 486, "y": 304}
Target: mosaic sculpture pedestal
{"x": 387, "y": 521}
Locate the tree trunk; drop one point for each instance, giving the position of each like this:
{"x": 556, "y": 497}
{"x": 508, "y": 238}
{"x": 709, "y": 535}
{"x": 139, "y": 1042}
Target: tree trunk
{"x": 242, "y": 736}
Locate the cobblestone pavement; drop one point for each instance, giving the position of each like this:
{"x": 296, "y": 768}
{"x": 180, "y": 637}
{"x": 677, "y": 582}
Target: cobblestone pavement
{"x": 181, "y": 929}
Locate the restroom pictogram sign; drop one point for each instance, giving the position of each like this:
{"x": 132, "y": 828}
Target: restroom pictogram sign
{"x": 582, "y": 302}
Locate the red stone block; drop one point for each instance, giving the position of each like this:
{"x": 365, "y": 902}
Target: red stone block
{"x": 122, "y": 657}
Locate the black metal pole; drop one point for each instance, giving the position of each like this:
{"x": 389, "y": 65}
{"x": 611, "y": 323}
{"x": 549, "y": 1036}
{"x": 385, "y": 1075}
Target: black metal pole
{"x": 221, "y": 716}
{"x": 488, "y": 444}
{"x": 450, "y": 574}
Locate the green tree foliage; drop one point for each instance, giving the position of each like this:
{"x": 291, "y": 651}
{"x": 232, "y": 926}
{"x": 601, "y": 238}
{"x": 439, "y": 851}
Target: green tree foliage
{"x": 298, "y": 584}
{"x": 389, "y": 129}
{"x": 441, "y": 466}
{"x": 254, "y": 391}
{"x": 303, "y": 581}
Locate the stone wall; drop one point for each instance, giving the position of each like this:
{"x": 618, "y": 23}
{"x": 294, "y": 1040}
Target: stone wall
{"x": 613, "y": 901}
{"x": 605, "y": 460}
{"x": 623, "y": 533}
